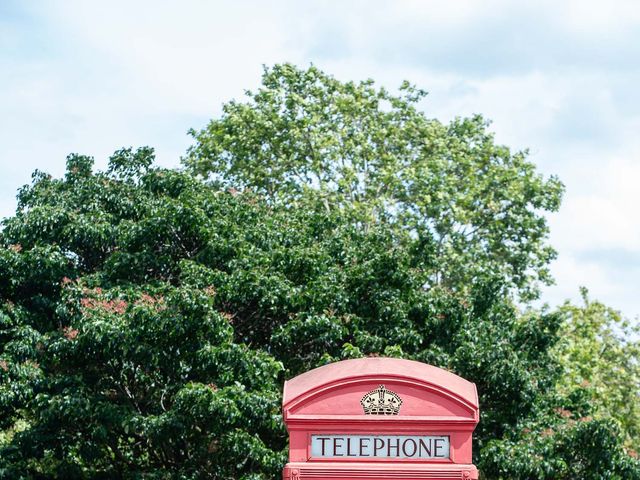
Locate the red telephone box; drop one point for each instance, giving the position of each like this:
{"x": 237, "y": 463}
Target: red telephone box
{"x": 380, "y": 418}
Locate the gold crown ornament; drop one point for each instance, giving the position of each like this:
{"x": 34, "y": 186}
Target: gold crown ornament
{"x": 381, "y": 402}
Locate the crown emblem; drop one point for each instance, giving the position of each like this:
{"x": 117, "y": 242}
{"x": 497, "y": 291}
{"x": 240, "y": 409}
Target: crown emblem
{"x": 381, "y": 402}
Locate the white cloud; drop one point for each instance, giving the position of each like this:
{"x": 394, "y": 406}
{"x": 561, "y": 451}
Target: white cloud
{"x": 91, "y": 77}
{"x": 184, "y": 58}
{"x": 558, "y": 77}
{"x": 604, "y": 217}
{"x": 589, "y": 17}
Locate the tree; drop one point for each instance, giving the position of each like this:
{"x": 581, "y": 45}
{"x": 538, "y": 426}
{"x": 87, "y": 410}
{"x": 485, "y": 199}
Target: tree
{"x": 600, "y": 350}
{"x": 148, "y": 321}
{"x": 111, "y": 365}
{"x": 148, "y": 318}
{"x": 305, "y": 136}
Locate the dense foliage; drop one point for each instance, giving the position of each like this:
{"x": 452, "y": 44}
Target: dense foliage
{"x": 305, "y": 137}
{"x": 148, "y": 319}
{"x": 599, "y": 349}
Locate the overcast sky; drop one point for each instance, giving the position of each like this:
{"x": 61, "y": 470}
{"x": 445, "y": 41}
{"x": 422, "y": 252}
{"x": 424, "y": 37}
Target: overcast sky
{"x": 559, "y": 77}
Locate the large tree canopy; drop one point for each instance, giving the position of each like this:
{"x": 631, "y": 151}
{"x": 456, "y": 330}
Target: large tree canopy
{"x": 600, "y": 349}
{"x": 148, "y": 320}
{"x": 306, "y": 136}
{"x": 149, "y": 317}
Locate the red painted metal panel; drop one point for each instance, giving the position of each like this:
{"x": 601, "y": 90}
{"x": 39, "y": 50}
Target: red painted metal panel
{"x": 412, "y": 399}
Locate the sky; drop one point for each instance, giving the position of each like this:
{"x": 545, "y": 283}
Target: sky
{"x": 559, "y": 78}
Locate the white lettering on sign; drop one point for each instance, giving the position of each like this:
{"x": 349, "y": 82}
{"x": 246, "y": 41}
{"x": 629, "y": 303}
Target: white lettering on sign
{"x": 380, "y": 446}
